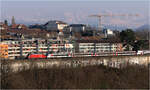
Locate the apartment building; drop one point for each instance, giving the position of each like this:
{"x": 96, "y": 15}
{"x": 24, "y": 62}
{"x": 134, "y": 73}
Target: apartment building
{"x": 14, "y": 49}
{"x": 3, "y": 51}
{"x": 98, "y": 47}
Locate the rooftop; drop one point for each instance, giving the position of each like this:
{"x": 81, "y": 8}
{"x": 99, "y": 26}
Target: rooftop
{"x": 77, "y": 25}
{"x": 98, "y": 40}
{"x": 56, "y": 21}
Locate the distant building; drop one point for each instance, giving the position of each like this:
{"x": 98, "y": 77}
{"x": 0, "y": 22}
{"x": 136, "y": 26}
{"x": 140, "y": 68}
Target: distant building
{"x": 18, "y": 27}
{"x": 13, "y": 21}
{"x": 11, "y": 49}
{"x": 108, "y": 32}
{"x": 37, "y": 26}
{"x": 22, "y": 26}
{"x": 98, "y": 46}
{"x": 55, "y": 25}
{"x": 77, "y": 27}
{"x": 15, "y": 26}
{"x": 3, "y": 26}
{"x": 3, "y": 51}
{"x": 74, "y": 30}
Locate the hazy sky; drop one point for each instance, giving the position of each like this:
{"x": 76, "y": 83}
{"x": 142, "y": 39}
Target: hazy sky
{"x": 76, "y": 11}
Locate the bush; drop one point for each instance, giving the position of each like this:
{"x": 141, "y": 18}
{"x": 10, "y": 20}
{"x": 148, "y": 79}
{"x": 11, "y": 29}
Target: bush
{"x": 94, "y": 77}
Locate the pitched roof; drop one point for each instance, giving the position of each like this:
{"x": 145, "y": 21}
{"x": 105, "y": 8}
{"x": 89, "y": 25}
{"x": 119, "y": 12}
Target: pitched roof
{"x": 98, "y": 40}
{"x": 3, "y": 25}
{"x": 16, "y": 26}
{"x": 77, "y": 25}
{"x": 56, "y": 21}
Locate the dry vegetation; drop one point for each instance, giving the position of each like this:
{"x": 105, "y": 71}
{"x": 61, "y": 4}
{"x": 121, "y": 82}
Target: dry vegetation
{"x": 94, "y": 77}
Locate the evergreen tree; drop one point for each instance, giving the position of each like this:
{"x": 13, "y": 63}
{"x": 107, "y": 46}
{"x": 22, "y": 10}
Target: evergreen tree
{"x": 127, "y": 36}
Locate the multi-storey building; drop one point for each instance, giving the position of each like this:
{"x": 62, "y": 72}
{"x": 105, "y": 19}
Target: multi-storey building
{"x": 13, "y": 49}
{"x": 98, "y": 47}
{"x": 3, "y": 51}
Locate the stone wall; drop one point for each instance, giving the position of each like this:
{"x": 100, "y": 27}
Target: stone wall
{"x": 111, "y": 61}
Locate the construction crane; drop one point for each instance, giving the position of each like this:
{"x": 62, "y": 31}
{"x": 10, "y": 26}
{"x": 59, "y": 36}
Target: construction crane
{"x": 110, "y": 15}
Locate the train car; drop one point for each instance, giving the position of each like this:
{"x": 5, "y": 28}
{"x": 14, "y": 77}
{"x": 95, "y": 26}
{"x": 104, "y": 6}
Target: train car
{"x": 36, "y": 56}
{"x": 141, "y": 52}
{"x": 57, "y": 55}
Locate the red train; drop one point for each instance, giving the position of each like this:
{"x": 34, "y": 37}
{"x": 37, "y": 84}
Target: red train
{"x": 36, "y": 56}
{"x": 43, "y": 56}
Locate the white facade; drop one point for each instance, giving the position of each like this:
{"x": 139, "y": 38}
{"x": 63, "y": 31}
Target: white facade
{"x": 29, "y": 46}
{"x": 2, "y": 28}
{"x": 55, "y": 25}
{"x": 61, "y": 26}
{"x": 99, "y": 47}
{"x": 108, "y": 32}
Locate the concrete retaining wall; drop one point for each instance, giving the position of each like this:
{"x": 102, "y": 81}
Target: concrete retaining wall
{"x": 111, "y": 61}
